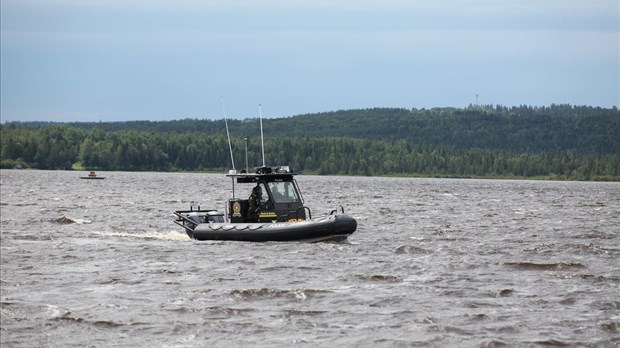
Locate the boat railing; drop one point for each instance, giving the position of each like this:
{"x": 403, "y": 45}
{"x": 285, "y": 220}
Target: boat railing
{"x": 335, "y": 211}
{"x": 185, "y": 220}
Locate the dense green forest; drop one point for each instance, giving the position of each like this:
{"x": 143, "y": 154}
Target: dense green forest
{"x": 557, "y": 142}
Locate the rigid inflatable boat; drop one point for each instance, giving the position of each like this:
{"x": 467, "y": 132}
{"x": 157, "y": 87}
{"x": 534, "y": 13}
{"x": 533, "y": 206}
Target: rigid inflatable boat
{"x": 274, "y": 211}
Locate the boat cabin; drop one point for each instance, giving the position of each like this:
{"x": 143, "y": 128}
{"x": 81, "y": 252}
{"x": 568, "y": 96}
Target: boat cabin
{"x": 275, "y": 197}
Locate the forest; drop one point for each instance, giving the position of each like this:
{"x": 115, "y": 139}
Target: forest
{"x": 561, "y": 142}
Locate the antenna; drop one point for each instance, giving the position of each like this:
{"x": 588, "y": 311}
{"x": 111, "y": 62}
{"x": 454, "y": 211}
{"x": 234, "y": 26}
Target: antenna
{"x": 247, "y": 170}
{"x": 262, "y": 140}
{"x": 232, "y": 160}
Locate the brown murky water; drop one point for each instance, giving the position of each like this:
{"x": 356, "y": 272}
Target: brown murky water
{"x": 434, "y": 262}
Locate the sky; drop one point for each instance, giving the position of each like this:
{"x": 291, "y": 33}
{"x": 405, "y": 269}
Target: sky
{"x": 117, "y": 60}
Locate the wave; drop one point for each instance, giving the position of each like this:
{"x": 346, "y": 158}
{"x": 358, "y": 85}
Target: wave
{"x": 377, "y": 278}
{"x": 531, "y": 266}
{"x": 502, "y": 293}
{"x": 551, "y": 343}
{"x": 64, "y": 220}
{"x": 215, "y": 312}
{"x": 304, "y": 313}
{"x": 299, "y": 294}
{"x": 98, "y": 323}
{"x": 610, "y": 326}
{"x": 410, "y": 249}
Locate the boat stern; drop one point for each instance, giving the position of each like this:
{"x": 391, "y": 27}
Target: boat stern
{"x": 189, "y": 219}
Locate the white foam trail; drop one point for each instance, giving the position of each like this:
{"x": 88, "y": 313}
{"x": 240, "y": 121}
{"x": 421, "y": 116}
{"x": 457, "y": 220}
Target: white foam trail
{"x": 170, "y": 235}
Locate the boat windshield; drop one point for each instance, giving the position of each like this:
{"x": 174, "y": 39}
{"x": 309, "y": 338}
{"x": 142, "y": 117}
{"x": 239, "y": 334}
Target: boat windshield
{"x": 284, "y": 192}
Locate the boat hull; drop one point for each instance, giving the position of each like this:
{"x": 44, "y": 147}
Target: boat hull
{"x": 329, "y": 228}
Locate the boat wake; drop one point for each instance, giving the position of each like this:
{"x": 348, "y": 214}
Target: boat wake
{"x": 170, "y": 235}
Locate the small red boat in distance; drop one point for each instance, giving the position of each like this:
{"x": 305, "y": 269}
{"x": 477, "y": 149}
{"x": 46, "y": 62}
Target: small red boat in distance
{"x": 92, "y": 175}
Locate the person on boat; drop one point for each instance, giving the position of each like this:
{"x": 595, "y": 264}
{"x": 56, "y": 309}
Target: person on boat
{"x": 277, "y": 196}
{"x": 254, "y": 201}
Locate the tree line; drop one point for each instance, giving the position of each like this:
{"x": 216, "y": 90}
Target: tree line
{"x": 558, "y": 142}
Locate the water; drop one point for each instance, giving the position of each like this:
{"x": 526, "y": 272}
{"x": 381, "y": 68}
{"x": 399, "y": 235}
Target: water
{"x": 434, "y": 262}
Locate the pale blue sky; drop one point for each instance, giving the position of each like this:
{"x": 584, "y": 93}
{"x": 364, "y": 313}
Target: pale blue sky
{"x": 109, "y": 60}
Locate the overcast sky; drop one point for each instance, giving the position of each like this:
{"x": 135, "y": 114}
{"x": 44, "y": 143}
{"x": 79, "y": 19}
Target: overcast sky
{"x": 110, "y": 60}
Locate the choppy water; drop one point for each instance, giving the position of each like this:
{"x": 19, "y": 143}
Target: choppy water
{"x": 434, "y": 262}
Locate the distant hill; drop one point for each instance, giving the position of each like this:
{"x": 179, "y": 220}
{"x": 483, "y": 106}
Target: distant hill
{"x": 561, "y": 141}
{"x": 558, "y": 127}
{"x": 522, "y": 128}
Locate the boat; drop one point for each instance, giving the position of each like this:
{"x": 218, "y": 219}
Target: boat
{"x": 92, "y": 175}
{"x": 274, "y": 211}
